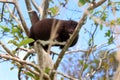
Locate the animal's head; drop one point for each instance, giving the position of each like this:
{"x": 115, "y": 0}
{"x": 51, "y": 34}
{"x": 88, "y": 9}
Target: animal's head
{"x": 70, "y": 26}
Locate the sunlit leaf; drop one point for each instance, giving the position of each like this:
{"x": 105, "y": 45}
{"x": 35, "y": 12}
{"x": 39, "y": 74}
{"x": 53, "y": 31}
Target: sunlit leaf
{"x": 13, "y": 42}
{"x": 110, "y": 40}
{"x": 101, "y": 26}
{"x": 5, "y": 28}
{"x": 47, "y": 70}
{"x": 118, "y": 21}
{"x": 85, "y": 66}
{"x": 54, "y": 10}
{"x": 104, "y": 16}
{"x": 31, "y": 75}
{"x": 14, "y": 30}
{"x": 112, "y": 22}
{"x": 81, "y": 2}
{"x": 81, "y": 62}
{"x": 108, "y": 33}
{"x": 25, "y": 41}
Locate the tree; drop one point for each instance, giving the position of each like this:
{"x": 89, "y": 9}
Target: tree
{"x": 97, "y": 22}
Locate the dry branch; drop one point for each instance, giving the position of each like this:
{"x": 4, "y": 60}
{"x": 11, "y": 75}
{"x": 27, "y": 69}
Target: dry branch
{"x": 44, "y": 6}
{"x": 24, "y": 63}
{"x": 7, "y": 1}
{"x": 21, "y": 17}
{"x": 69, "y": 77}
{"x": 6, "y": 49}
{"x": 28, "y": 5}
{"x": 39, "y": 9}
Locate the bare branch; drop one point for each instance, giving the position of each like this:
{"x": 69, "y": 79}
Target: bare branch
{"x": 43, "y": 56}
{"x": 74, "y": 51}
{"x": 2, "y": 11}
{"x": 21, "y": 17}
{"x": 18, "y": 60}
{"x": 39, "y": 9}
{"x": 6, "y": 49}
{"x": 7, "y": 1}
{"x": 69, "y": 77}
{"x": 44, "y": 59}
{"x": 24, "y": 63}
{"x": 28, "y": 5}
{"x": 44, "y": 6}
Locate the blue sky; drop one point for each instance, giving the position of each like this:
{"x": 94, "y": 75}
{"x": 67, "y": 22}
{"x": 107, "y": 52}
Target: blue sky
{"x": 7, "y": 74}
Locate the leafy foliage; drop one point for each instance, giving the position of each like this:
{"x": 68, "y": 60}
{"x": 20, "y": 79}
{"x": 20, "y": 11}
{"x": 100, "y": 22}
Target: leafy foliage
{"x": 25, "y": 42}
{"x": 54, "y": 10}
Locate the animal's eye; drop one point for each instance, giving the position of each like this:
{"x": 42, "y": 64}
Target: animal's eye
{"x": 74, "y": 25}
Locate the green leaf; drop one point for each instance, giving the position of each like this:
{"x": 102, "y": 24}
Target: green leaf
{"x": 110, "y": 40}
{"x": 47, "y": 70}
{"x": 5, "y": 28}
{"x": 96, "y": 61}
{"x": 14, "y": 30}
{"x": 81, "y": 62}
{"x": 85, "y": 66}
{"x": 54, "y": 10}
{"x": 101, "y": 26}
{"x": 25, "y": 41}
{"x": 30, "y": 75}
{"x": 104, "y": 16}
{"x": 118, "y": 21}
{"x": 108, "y": 33}
{"x": 112, "y": 22}
{"x": 13, "y": 42}
{"x": 11, "y": 68}
{"x": 90, "y": 41}
{"x": 81, "y": 2}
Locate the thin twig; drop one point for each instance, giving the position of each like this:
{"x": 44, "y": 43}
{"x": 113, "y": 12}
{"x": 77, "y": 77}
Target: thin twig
{"x": 2, "y": 11}
{"x": 28, "y": 5}
{"x": 6, "y": 49}
{"x": 67, "y": 76}
{"x": 39, "y": 9}
{"x": 74, "y": 51}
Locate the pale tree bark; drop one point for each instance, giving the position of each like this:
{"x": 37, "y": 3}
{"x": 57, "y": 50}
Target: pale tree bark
{"x": 117, "y": 40}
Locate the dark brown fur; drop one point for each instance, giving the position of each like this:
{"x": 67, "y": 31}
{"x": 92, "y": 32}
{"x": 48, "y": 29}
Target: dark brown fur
{"x": 42, "y": 30}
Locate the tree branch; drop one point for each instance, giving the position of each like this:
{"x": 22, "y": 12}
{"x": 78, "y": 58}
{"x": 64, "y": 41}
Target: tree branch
{"x": 39, "y": 9}
{"x": 7, "y": 1}
{"x": 69, "y": 77}
{"x": 25, "y": 63}
{"x": 28, "y": 5}
{"x": 44, "y": 6}
{"x": 6, "y": 49}
{"x": 44, "y": 59}
{"x": 21, "y": 17}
